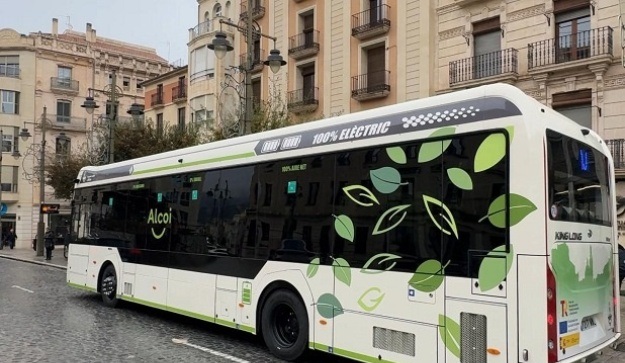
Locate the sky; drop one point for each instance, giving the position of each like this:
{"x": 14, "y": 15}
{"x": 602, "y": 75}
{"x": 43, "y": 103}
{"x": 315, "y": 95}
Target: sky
{"x": 160, "y": 24}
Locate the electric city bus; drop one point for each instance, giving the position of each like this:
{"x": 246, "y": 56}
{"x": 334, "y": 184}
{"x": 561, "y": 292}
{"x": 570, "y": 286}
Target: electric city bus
{"x": 476, "y": 226}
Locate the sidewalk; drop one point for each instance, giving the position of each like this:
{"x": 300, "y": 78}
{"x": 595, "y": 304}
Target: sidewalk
{"x": 30, "y": 256}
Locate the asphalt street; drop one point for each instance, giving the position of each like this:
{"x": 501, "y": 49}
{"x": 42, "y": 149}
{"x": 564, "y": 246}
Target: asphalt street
{"x": 44, "y": 320}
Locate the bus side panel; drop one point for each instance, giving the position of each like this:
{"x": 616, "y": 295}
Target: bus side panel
{"x": 151, "y": 284}
{"x": 191, "y": 293}
{"x": 97, "y": 257}
{"x": 532, "y": 303}
{"x": 77, "y": 270}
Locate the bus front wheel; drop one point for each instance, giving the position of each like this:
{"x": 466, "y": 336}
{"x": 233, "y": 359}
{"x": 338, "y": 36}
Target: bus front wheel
{"x": 285, "y": 325}
{"x": 108, "y": 286}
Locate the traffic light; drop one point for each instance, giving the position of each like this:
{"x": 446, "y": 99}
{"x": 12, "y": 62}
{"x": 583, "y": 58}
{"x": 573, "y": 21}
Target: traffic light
{"x": 49, "y": 208}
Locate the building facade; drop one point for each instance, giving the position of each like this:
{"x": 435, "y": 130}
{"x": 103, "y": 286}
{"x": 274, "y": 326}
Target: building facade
{"x": 166, "y": 99}
{"x": 56, "y": 71}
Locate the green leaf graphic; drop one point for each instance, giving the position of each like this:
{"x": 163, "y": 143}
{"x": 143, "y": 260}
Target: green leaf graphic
{"x": 431, "y": 150}
{"x": 490, "y": 152}
{"x": 378, "y": 260}
{"x": 313, "y": 267}
{"x": 389, "y": 215}
{"x": 386, "y": 180}
{"x": 495, "y": 267}
{"x": 428, "y": 277}
{"x": 510, "y": 130}
{"x": 344, "y": 227}
{"x": 447, "y": 217}
{"x": 329, "y": 306}
{"x": 520, "y": 207}
{"x": 460, "y": 178}
{"x": 342, "y": 271}
{"x": 371, "y": 299}
{"x": 366, "y": 193}
{"x": 449, "y": 331}
{"x": 396, "y": 154}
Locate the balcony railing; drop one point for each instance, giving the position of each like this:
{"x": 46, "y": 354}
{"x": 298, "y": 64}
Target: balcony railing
{"x": 304, "y": 44}
{"x": 10, "y": 70}
{"x": 179, "y": 93}
{"x": 258, "y": 9}
{"x": 568, "y": 48}
{"x": 617, "y": 148}
{"x": 64, "y": 84}
{"x": 201, "y": 28}
{"x": 257, "y": 61}
{"x": 156, "y": 99}
{"x": 484, "y": 66}
{"x": 371, "y": 22}
{"x": 371, "y": 85}
{"x": 303, "y": 100}
{"x": 67, "y": 123}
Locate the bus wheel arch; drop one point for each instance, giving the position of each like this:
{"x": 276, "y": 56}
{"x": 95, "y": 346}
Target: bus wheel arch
{"x": 282, "y": 320}
{"x": 108, "y": 273}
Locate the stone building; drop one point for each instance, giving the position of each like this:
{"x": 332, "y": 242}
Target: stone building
{"x": 56, "y": 71}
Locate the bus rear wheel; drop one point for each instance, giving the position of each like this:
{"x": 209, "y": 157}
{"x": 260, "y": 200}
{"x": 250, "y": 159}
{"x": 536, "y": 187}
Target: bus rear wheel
{"x": 285, "y": 325}
{"x": 108, "y": 287}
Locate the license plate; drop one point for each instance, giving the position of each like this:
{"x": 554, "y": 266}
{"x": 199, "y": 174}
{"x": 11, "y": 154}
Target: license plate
{"x": 588, "y": 323}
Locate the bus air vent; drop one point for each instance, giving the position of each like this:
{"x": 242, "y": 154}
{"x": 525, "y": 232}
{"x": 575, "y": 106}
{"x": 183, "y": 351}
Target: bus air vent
{"x": 127, "y": 288}
{"x": 394, "y": 341}
{"x": 472, "y": 338}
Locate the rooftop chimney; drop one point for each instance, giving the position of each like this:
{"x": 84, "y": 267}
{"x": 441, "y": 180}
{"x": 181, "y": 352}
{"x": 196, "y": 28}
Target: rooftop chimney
{"x": 55, "y": 26}
{"x": 88, "y": 33}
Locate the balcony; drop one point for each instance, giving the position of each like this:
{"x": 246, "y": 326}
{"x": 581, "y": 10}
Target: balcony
{"x": 617, "y": 148}
{"x": 201, "y": 29}
{"x": 64, "y": 85}
{"x": 492, "y": 67}
{"x": 67, "y": 123}
{"x": 257, "y": 61}
{"x": 304, "y": 45}
{"x": 258, "y": 9}
{"x": 578, "y": 50}
{"x": 303, "y": 100}
{"x": 156, "y": 100}
{"x": 179, "y": 93}
{"x": 372, "y": 22}
{"x": 10, "y": 70}
{"x": 371, "y": 85}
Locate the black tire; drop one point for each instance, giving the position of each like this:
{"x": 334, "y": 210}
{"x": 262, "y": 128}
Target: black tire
{"x": 108, "y": 287}
{"x": 284, "y": 324}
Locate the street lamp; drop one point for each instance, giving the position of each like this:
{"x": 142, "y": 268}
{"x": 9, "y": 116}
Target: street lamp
{"x": 113, "y": 92}
{"x": 220, "y": 45}
{"x": 15, "y": 154}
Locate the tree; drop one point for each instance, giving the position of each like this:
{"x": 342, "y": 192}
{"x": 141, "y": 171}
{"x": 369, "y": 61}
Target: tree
{"x": 132, "y": 140}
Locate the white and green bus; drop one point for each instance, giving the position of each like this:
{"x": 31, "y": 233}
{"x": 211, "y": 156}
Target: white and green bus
{"x": 476, "y": 226}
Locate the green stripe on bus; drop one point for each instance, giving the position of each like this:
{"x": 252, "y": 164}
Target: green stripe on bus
{"x": 348, "y": 354}
{"x": 199, "y": 162}
{"x": 210, "y": 319}
{"x": 82, "y": 287}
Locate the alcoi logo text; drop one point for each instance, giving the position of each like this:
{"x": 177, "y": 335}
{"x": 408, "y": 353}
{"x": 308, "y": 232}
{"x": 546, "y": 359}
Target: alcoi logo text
{"x": 159, "y": 218}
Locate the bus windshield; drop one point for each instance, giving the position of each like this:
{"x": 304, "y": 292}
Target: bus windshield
{"x": 579, "y": 189}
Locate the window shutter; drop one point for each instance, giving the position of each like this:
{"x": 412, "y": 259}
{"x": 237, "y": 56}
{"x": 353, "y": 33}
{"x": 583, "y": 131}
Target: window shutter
{"x": 567, "y": 5}
{"x": 486, "y": 26}
{"x": 574, "y": 98}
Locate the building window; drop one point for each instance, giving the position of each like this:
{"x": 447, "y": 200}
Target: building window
{"x": 64, "y": 73}
{"x": 63, "y": 111}
{"x": 7, "y": 143}
{"x": 8, "y": 183}
{"x": 181, "y": 118}
{"x": 217, "y": 9}
{"x": 307, "y": 74}
{"x": 256, "y": 89}
{"x": 307, "y": 21}
{"x": 10, "y": 66}
{"x": 126, "y": 83}
{"x": 110, "y": 78}
{"x": 486, "y": 48}
{"x": 572, "y": 30}
{"x": 376, "y": 65}
{"x": 159, "y": 123}
{"x": 10, "y": 102}
{"x": 63, "y": 146}
{"x": 576, "y": 105}
{"x": 139, "y": 88}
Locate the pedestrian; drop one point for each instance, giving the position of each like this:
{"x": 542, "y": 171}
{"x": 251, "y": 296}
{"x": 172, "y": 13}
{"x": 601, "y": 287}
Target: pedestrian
{"x": 48, "y": 239}
{"x": 10, "y": 238}
{"x": 621, "y": 264}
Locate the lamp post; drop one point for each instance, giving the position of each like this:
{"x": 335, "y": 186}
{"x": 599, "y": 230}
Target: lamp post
{"x": 16, "y": 155}
{"x": 113, "y": 92}
{"x": 220, "y": 45}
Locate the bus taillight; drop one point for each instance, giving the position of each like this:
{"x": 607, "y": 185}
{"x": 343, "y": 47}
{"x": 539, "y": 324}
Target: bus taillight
{"x": 552, "y": 331}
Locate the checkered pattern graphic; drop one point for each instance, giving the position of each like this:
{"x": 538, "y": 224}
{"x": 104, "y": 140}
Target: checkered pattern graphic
{"x": 440, "y": 116}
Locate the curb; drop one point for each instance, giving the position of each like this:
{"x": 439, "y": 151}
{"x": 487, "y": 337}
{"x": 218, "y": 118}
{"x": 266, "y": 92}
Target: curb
{"x": 33, "y": 262}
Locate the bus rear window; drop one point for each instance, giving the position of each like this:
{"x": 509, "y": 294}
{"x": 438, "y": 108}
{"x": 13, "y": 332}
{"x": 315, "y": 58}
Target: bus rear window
{"x": 579, "y": 187}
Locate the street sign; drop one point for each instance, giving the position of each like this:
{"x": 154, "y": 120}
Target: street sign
{"x": 50, "y": 208}
{"x": 3, "y": 209}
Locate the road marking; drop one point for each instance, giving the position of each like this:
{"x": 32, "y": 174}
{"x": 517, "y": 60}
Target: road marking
{"x": 23, "y": 289}
{"x": 207, "y": 350}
